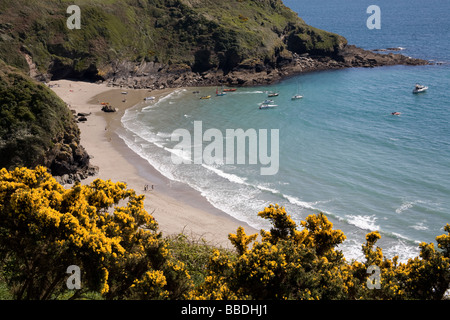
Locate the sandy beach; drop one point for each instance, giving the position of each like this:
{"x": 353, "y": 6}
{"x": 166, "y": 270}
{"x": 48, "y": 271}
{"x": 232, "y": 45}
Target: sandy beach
{"x": 176, "y": 207}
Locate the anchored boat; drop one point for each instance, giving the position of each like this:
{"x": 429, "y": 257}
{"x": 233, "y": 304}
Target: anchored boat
{"x": 420, "y": 88}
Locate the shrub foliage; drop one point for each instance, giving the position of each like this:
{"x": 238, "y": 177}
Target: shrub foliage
{"x": 104, "y": 229}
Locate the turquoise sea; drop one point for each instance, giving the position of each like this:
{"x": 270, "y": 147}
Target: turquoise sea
{"x": 341, "y": 151}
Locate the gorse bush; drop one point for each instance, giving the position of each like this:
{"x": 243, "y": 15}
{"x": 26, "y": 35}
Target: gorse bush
{"x": 104, "y": 229}
{"x": 45, "y": 228}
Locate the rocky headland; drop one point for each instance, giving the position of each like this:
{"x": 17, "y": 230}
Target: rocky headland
{"x": 152, "y": 75}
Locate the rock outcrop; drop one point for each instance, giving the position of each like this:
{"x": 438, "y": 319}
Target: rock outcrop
{"x": 108, "y": 108}
{"x": 249, "y": 73}
{"x": 68, "y": 160}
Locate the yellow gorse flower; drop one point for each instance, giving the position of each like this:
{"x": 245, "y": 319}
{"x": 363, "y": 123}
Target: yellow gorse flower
{"x": 86, "y": 225}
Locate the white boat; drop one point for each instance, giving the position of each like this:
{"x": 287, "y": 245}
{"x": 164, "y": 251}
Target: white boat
{"x": 273, "y": 94}
{"x": 419, "y": 88}
{"x": 149, "y": 98}
{"x": 297, "y": 95}
{"x": 267, "y": 106}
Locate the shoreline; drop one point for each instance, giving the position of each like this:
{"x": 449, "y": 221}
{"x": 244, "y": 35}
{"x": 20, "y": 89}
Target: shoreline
{"x": 177, "y": 207}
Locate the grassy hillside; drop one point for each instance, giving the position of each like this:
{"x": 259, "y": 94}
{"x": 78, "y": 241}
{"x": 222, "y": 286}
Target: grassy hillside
{"x": 195, "y": 35}
{"x": 36, "y": 127}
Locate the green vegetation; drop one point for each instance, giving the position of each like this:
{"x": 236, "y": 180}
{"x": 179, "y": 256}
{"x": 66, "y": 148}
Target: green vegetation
{"x": 32, "y": 120}
{"x": 46, "y": 228}
{"x": 104, "y": 229}
{"x": 201, "y": 34}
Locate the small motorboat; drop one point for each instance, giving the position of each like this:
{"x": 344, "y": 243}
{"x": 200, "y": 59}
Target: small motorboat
{"x": 297, "y": 96}
{"x": 229, "y": 90}
{"x": 205, "y": 97}
{"x": 267, "y": 106}
{"x": 219, "y": 94}
{"x": 420, "y": 88}
{"x": 396, "y": 113}
{"x": 149, "y": 98}
{"x": 273, "y": 94}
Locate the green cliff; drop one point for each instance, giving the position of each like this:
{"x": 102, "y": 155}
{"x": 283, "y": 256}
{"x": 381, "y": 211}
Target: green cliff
{"x": 178, "y": 35}
{"x": 37, "y": 128}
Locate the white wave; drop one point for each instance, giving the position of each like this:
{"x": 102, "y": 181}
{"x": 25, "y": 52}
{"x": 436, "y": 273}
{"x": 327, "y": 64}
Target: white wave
{"x": 400, "y": 236}
{"x": 229, "y": 176}
{"x": 403, "y": 250}
{"x": 143, "y": 132}
{"x": 183, "y": 155}
{"x": 363, "y": 222}
{"x": 351, "y": 250}
{"x": 294, "y": 200}
{"x": 148, "y": 108}
{"x": 158, "y": 145}
{"x": 140, "y": 152}
{"x": 298, "y": 202}
{"x": 420, "y": 226}
{"x": 129, "y": 115}
{"x": 173, "y": 94}
{"x": 264, "y": 188}
{"x": 323, "y": 201}
{"x": 164, "y": 135}
{"x": 407, "y": 205}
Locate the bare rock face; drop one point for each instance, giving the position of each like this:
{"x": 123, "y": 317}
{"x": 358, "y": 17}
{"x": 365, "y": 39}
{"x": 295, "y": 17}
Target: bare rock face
{"x": 68, "y": 160}
{"x": 353, "y": 56}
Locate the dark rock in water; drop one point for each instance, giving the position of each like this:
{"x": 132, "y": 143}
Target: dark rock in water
{"x": 108, "y": 108}
{"x": 82, "y": 119}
